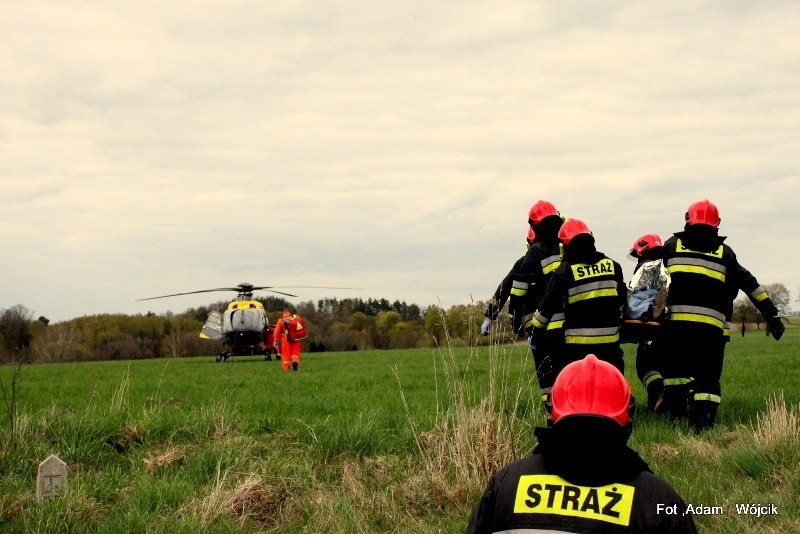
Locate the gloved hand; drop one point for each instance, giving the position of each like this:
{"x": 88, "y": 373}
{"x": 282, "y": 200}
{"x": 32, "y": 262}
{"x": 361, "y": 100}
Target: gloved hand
{"x": 776, "y": 327}
{"x": 485, "y": 326}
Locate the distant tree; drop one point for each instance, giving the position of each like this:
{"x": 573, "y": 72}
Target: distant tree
{"x": 384, "y": 323}
{"x": 363, "y": 327}
{"x": 405, "y": 335}
{"x": 780, "y": 296}
{"x": 61, "y": 342}
{"x": 182, "y": 336}
{"x": 340, "y": 337}
{"x": 15, "y": 330}
{"x": 434, "y": 325}
{"x": 745, "y": 312}
{"x": 413, "y": 313}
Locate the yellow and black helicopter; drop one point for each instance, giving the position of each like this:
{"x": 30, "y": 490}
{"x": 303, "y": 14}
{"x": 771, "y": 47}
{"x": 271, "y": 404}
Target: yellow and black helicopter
{"x": 243, "y": 327}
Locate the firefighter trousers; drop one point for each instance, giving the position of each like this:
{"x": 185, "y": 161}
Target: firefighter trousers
{"x": 542, "y": 348}
{"x": 692, "y": 369}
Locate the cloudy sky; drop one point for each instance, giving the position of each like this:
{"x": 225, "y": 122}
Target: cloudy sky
{"x": 149, "y": 148}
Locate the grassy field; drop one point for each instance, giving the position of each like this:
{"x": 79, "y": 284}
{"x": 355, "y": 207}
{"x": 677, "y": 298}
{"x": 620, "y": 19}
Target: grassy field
{"x": 381, "y": 441}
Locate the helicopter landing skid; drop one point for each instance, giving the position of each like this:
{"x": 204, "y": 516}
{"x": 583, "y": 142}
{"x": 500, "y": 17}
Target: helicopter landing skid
{"x": 223, "y": 356}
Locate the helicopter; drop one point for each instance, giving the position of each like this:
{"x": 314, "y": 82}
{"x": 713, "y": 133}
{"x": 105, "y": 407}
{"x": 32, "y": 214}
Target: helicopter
{"x": 243, "y": 327}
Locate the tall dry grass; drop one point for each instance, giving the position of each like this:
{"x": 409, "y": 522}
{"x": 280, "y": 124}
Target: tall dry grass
{"x": 778, "y": 429}
{"x": 479, "y": 426}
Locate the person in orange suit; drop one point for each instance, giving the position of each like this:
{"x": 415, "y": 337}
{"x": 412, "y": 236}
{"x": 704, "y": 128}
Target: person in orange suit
{"x": 289, "y": 331}
{"x": 269, "y": 343}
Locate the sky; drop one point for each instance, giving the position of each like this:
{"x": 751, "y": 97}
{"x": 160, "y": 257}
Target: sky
{"x": 149, "y": 148}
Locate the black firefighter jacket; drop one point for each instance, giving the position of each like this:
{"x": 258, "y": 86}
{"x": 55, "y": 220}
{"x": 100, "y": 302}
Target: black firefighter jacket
{"x": 706, "y": 277}
{"x": 571, "y": 486}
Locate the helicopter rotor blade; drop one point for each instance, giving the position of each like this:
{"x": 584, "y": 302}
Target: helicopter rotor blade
{"x": 278, "y": 292}
{"x": 191, "y": 293}
{"x": 247, "y": 288}
{"x": 304, "y": 287}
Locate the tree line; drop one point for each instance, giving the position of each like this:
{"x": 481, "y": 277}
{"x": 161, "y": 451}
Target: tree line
{"x": 333, "y": 325}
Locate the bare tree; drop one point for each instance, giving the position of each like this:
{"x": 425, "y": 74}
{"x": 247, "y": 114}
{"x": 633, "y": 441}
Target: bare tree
{"x": 780, "y": 297}
{"x": 744, "y": 311}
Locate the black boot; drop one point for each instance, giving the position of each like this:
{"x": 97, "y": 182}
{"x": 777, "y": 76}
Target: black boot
{"x": 703, "y": 415}
{"x": 655, "y": 394}
{"x": 294, "y": 366}
{"x": 674, "y": 402}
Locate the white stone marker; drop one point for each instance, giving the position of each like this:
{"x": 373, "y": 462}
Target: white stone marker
{"x": 51, "y": 477}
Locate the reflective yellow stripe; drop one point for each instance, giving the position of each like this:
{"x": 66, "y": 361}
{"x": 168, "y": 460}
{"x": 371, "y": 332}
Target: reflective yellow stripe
{"x": 556, "y": 321}
{"x": 590, "y": 340}
{"x": 547, "y": 269}
{"x": 650, "y": 378}
{"x": 519, "y": 289}
{"x": 592, "y": 295}
{"x": 539, "y": 320}
{"x": 696, "y": 318}
{"x": 759, "y": 294}
{"x": 697, "y": 270}
{"x": 527, "y": 320}
{"x": 550, "y": 268}
{"x": 710, "y": 397}
{"x": 677, "y": 381}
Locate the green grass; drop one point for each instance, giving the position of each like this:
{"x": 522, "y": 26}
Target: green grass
{"x": 358, "y": 442}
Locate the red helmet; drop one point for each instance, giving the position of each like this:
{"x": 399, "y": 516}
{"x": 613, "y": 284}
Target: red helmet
{"x": 531, "y": 236}
{"x": 591, "y": 387}
{"x": 703, "y": 212}
{"x": 645, "y": 244}
{"x": 571, "y": 228}
{"x": 540, "y": 211}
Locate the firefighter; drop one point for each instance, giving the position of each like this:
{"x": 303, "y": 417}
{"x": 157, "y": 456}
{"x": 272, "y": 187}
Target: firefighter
{"x": 589, "y": 289}
{"x": 289, "y": 331}
{"x": 503, "y": 290}
{"x": 582, "y": 475}
{"x": 704, "y": 278}
{"x": 646, "y": 298}
{"x": 530, "y": 281}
